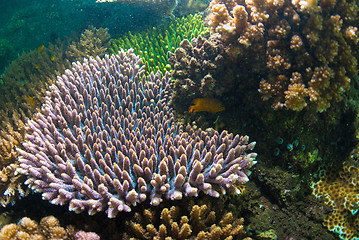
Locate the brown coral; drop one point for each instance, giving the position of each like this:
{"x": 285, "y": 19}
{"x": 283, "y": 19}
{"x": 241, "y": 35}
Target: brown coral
{"x": 194, "y": 222}
{"x": 197, "y": 67}
{"x": 317, "y": 39}
{"x": 11, "y": 136}
{"x": 93, "y": 42}
{"x": 48, "y": 228}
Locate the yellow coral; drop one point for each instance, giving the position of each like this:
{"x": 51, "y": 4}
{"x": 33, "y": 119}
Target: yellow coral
{"x": 340, "y": 191}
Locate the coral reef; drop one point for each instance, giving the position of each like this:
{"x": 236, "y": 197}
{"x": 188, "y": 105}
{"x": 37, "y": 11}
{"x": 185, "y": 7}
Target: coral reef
{"x": 310, "y": 47}
{"x": 191, "y": 222}
{"x": 152, "y": 45}
{"x": 93, "y": 42}
{"x": 106, "y": 139}
{"x": 48, "y": 228}
{"x": 339, "y": 190}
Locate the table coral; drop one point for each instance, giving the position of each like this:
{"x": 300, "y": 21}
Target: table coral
{"x": 106, "y": 139}
{"x": 314, "y": 39}
{"x": 339, "y": 190}
{"x": 48, "y": 228}
{"x": 25, "y": 82}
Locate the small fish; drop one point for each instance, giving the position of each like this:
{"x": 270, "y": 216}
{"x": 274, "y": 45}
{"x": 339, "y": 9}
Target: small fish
{"x": 53, "y": 58}
{"x": 37, "y": 66}
{"x": 29, "y": 100}
{"x": 39, "y": 49}
{"x": 206, "y": 105}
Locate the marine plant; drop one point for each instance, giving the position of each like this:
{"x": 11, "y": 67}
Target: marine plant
{"x": 153, "y": 44}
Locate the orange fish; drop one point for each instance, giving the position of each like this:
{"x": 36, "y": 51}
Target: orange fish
{"x": 29, "y": 100}
{"x": 39, "y": 49}
{"x": 53, "y": 58}
{"x": 206, "y": 105}
{"x": 37, "y": 66}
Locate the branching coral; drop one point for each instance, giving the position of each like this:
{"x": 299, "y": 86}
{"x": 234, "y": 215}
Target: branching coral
{"x": 106, "y": 139}
{"x": 24, "y": 86}
{"x": 152, "y": 45}
{"x": 11, "y": 136}
{"x": 48, "y": 228}
{"x": 93, "y": 42}
{"x": 25, "y": 80}
{"x": 314, "y": 40}
{"x": 197, "y": 66}
{"x": 192, "y": 222}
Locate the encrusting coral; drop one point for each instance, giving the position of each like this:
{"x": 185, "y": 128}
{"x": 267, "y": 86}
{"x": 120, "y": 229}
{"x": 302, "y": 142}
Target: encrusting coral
{"x": 190, "y": 222}
{"x": 48, "y": 228}
{"x": 152, "y": 45}
{"x": 339, "y": 190}
{"x": 310, "y": 47}
{"x": 106, "y": 139}
{"x": 93, "y": 42}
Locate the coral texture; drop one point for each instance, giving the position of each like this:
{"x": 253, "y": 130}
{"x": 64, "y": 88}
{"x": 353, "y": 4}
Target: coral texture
{"x": 48, "y": 228}
{"x": 93, "y": 42}
{"x": 195, "y": 222}
{"x": 339, "y": 190}
{"x": 310, "y": 47}
{"x": 197, "y": 66}
{"x": 106, "y": 139}
{"x": 12, "y": 134}
{"x": 152, "y": 45}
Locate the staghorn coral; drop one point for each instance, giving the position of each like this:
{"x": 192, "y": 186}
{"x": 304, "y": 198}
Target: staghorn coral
{"x": 48, "y": 228}
{"x": 339, "y": 190}
{"x": 93, "y": 42}
{"x": 315, "y": 39}
{"x": 190, "y": 222}
{"x": 197, "y": 67}
{"x": 152, "y": 45}
{"x": 106, "y": 139}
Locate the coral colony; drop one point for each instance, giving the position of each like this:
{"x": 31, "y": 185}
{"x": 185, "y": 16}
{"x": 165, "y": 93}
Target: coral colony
{"x": 106, "y": 139}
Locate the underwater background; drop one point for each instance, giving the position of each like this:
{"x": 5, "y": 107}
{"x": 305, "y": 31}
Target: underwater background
{"x": 186, "y": 119}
